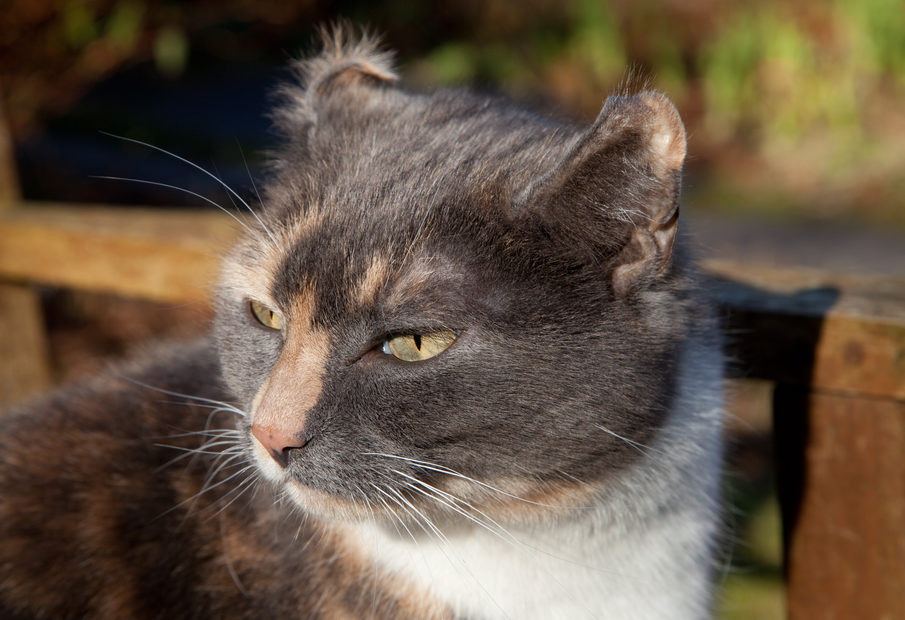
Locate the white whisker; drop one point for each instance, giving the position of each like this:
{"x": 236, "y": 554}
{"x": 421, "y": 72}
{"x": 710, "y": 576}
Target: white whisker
{"x": 203, "y": 170}
{"x": 394, "y": 514}
{"x": 451, "y": 472}
{"x": 637, "y": 446}
{"x": 184, "y": 191}
{"x": 427, "y": 521}
{"x": 456, "y": 504}
{"x": 197, "y": 399}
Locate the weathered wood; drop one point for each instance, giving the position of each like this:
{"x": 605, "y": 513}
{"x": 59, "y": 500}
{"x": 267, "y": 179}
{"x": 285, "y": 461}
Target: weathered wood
{"x": 842, "y": 479}
{"x": 159, "y": 254}
{"x": 829, "y": 331}
{"x": 9, "y": 181}
{"x": 24, "y": 361}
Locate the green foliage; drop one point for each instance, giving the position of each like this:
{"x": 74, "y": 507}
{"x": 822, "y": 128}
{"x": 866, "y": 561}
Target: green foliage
{"x": 595, "y": 40}
{"x": 125, "y": 24}
{"x": 801, "y": 99}
{"x": 79, "y": 25}
{"x": 171, "y": 51}
{"x": 763, "y": 72}
{"x": 876, "y": 29}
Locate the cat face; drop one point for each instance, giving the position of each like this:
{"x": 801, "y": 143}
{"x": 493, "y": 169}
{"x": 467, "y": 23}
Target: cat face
{"x": 452, "y": 305}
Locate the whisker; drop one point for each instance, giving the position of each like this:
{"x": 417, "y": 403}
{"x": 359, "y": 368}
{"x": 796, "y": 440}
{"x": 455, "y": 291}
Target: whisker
{"x": 459, "y": 563}
{"x": 637, "y": 446}
{"x": 229, "y": 565}
{"x": 205, "y": 489}
{"x": 215, "y": 409}
{"x": 179, "y": 189}
{"x": 203, "y": 170}
{"x": 197, "y": 399}
{"x": 213, "y": 432}
{"x": 223, "y": 464}
{"x": 239, "y": 490}
{"x": 424, "y": 517}
{"x": 501, "y": 532}
{"x": 393, "y": 513}
{"x": 455, "y": 504}
{"x": 451, "y": 472}
{"x": 204, "y": 449}
{"x": 376, "y": 568}
{"x": 216, "y": 440}
{"x": 251, "y": 178}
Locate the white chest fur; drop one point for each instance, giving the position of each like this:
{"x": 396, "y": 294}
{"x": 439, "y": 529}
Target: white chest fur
{"x": 585, "y": 576}
{"x": 643, "y": 550}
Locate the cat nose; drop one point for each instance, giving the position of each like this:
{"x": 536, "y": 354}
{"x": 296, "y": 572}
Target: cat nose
{"x": 278, "y": 442}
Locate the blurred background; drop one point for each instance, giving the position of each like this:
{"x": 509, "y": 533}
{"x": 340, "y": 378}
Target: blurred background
{"x": 794, "y": 112}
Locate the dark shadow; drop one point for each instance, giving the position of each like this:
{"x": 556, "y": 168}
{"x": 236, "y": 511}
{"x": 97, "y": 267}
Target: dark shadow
{"x": 774, "y": 336}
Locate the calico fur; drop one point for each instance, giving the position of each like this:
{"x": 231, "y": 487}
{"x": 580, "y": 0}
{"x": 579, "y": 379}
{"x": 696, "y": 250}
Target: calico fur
{"x": 559, "y": 460}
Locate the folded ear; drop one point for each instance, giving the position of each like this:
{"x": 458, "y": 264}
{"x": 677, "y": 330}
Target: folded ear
{"x": 616, "y": 193}
{"x": 350, "y": 66}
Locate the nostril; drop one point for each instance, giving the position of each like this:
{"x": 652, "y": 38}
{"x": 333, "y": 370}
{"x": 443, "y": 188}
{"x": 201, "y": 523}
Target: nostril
{"x": 282, "y": 457}
{"x": 278, "y": 442}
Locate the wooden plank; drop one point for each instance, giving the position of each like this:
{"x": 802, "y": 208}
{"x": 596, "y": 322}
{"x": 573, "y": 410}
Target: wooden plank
{"x": 833, "y": 332}
{"x": 157, "y": 254}
{"x": 24, "y": 359}
{"x": 842, "y": 479}
{"x": 9, "y": 183}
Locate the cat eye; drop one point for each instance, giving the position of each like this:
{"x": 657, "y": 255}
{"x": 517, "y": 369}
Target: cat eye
{"x": 266, "y": 316}
{"x": 418, "y": 347}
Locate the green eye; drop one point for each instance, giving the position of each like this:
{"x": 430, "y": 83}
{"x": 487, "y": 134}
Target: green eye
{"x": 418, "y": 347}
{"x": 266, "y": 316}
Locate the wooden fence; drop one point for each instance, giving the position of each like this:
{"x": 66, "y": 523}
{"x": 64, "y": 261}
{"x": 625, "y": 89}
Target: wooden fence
{"x": 833, "y": 346}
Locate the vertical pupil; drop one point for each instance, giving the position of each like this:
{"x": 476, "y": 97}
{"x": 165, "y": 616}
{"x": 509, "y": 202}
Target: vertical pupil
{"x": 417, "y": 338}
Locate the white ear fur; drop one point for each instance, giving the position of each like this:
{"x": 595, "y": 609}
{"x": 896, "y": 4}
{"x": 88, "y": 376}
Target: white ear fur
{"x": 667, "y": 133}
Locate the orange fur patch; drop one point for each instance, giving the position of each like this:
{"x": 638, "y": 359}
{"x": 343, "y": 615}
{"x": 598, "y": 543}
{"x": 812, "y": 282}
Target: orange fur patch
{"x": 373, "y": 281}
{"x": 521, "y": 500}
{"x": 295, "y": 383}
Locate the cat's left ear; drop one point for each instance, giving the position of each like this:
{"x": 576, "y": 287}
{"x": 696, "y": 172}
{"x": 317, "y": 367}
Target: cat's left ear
{"x": 349, "y": 70}
{"x": 615, "y": 195}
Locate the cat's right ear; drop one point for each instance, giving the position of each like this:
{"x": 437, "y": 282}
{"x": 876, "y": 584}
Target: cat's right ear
{"x": 346, "y": 72}
{"x": 614, "y": 197}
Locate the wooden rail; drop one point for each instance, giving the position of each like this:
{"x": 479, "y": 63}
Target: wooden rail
{"x": 835, "y": 348}
{"x": 155, "y": 254}
{"x": 833, "y": 345}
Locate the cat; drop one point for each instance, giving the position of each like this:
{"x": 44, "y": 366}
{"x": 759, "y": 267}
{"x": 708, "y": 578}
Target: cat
{"x": 461, "y": 367}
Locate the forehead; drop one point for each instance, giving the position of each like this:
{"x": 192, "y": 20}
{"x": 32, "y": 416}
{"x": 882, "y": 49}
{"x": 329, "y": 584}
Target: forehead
{"x": 391, "y": 197}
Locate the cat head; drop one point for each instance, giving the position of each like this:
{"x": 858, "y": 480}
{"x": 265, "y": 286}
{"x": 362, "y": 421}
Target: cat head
{"x": 450, "y": 301}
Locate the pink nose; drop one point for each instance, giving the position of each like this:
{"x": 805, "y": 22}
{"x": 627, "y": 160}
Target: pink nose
{"x": 278, "y": 442}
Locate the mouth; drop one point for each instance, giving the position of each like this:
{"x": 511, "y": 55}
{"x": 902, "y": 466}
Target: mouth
{"x": 266, "y": 463}
{"x": 310, "y": 499}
